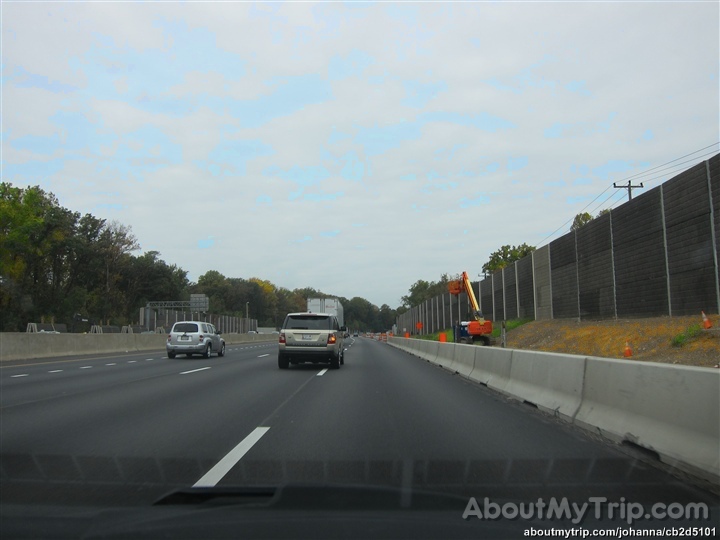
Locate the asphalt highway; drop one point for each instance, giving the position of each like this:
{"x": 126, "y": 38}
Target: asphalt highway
{"x": 124, "y": 430}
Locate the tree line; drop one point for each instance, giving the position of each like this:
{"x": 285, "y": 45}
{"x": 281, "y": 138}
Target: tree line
{"x": 59, "y": 266}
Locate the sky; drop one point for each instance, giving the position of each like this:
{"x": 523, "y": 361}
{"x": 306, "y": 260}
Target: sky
{"x": 352, "y": 147}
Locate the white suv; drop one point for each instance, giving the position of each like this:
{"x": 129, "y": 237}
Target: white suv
{"x": 194, "y": 337}
{"x": 311, "y": 337}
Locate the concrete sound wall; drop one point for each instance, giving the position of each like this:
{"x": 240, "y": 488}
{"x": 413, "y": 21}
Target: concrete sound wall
{"x": 671, "y": 410}
{"x": 21, "y": 345}
{"x": 652, "y": 256}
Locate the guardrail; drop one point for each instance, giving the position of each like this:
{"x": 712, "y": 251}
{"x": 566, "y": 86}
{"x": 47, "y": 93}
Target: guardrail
{"x": 673, "y": 411}
{"x": 22, "y": 345}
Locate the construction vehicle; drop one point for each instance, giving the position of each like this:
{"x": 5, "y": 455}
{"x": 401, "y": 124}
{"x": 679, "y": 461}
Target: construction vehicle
{"x": 479, "y": 329}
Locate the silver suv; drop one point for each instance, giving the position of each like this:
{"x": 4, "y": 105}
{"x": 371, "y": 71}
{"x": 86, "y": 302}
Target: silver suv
{"x": 194, "y": 337}
{"x": 311, "y": 337}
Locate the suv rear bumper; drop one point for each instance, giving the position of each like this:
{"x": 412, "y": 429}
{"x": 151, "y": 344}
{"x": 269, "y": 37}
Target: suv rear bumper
{"x": 307, "y": 354}
{"x": 189, "y": 348}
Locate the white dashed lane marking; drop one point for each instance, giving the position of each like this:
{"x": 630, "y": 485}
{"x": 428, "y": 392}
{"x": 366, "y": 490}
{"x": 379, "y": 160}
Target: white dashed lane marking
{"x": 147, "y": 360}
{"x": 194, "y": 370}
{"x": 214, "y": 475}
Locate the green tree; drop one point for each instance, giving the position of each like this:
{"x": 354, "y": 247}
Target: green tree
{"x": 580, "y": 220}
{"x": 35, "y": 250}
{"x": 418, "y": 293}
{"x": 115, "y": 244}
{"x": 423, "y": 290}
{"x": 55, "y": 264}
{"x": 217, "y": 288}
{"x": 360, "y": 314}
{"x": 505, "y": 256}
{"x": 149, "y": 278}
{"x": 386, "y": 317}
{"x": 263, "y": 301}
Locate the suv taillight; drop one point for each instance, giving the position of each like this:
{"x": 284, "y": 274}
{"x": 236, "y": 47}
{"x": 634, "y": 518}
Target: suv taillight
{"x": 201, "y": 337}
{"x": 282, "y": 337}
{"x": 331, "y": 339}
{"x": 169, "y": 337}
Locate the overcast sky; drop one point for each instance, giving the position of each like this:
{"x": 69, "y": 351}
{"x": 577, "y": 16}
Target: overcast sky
{"x": 351, "y": 147}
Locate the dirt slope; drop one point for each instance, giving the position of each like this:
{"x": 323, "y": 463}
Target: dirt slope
{"x": 649, "y": 339}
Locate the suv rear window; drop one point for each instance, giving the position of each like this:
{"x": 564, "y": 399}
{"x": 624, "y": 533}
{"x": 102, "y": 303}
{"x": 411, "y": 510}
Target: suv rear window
{"x": 185, "y": 327}
{"x": 308, "y": 322}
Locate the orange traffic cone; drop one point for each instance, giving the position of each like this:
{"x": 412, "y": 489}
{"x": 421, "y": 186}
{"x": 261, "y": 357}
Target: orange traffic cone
{"x": 706, "y": 322}
{"x": 627, "y": 353}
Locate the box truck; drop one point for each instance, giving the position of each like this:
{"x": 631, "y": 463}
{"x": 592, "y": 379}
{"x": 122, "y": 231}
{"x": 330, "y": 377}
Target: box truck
{"x": 327, "y": 305}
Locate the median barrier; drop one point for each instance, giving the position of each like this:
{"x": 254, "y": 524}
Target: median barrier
{"x": 428, "y": 350}
{"x": 24, "y": 345}
{"x": 446, "y": 355}
{"x": 551, "y": 381}
{"x": 464, "y": 359}
{"x": 147, "y": 342}
{"x": 492, "y": 367}
{"x": 105, "y": 343}
{"x": 14, "y": 345}
{"x": 671, "y": 410}
{"x": 422, "y": 348}
{"x": 398, "y": 343}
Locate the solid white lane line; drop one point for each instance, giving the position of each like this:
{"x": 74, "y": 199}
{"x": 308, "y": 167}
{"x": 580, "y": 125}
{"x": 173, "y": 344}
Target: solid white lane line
{"x": 21, "y": 375}
{"x": 194, "y": 370}
{"x": 321, "y": 373}
{"x": 263, "y": 355}
{"x": 214, "y": 475}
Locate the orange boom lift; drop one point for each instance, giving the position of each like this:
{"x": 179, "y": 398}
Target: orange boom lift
{"x": 477, "y": 330}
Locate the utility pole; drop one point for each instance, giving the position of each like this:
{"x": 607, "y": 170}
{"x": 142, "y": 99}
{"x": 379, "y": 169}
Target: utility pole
{"x": 629, "y": 188}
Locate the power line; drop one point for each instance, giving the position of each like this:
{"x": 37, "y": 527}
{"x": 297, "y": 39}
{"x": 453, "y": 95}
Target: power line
{"x": 639, "y": 175}
{"x": 674, "y": 168}
{"x": 678, "y": 167}
{"x": 615, "y": 194}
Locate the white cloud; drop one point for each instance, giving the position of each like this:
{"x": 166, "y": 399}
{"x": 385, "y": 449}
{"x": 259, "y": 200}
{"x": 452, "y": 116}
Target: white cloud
{"x": 301, "y": 89}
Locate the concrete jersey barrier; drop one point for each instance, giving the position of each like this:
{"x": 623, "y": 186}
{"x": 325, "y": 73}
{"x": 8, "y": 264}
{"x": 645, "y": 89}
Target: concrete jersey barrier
{"x": 23, "y": 346}
{"x": 553, "y": 382}
{"x": 671, "y": 410}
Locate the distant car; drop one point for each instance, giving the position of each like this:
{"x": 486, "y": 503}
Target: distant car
{"x": 311, "y": 337}
{"x": 194, "y": 337}
{"x": 252, "y": 332}
{"x": 355, "y": 334}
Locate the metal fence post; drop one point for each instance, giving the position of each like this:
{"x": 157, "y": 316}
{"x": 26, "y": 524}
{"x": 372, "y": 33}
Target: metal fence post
{"x": 712, "y": 235}
{"x": 665, "y": 249}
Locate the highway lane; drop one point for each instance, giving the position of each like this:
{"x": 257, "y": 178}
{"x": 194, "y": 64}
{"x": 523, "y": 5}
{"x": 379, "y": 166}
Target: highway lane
{"x": 127, "y": 436}
{"x": 33, "y": 380}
